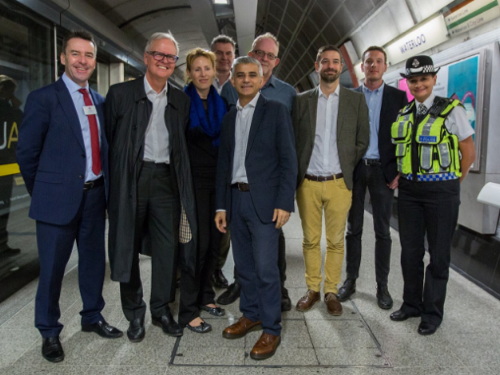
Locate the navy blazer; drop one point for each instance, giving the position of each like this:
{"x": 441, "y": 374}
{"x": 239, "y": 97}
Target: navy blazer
{"x": 392, "y": 101}
{"x": 271, "y": 162}
{"x": 51, "y": 153}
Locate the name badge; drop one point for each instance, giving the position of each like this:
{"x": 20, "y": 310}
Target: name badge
{"x": 427, "y": 139}
{"x": 89, "y": 110}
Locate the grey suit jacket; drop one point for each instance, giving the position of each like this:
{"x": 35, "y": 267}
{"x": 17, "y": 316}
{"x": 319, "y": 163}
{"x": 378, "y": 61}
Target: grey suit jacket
{"x": 353, "y": 130}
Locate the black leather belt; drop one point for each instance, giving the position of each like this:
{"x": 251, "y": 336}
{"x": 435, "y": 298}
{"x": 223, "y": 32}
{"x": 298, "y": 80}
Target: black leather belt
{"x": 241, "y": 186}
{"x": 371, "y": 162}
{"x": 324, "y": 178}
{"x": 92, "y": 184}
{"x": 152, "y": 164}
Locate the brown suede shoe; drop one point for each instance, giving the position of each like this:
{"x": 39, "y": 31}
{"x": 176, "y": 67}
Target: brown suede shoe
{"x": 308, "y": 301}
{"x": 265, "y": 346}
{"x": 333, "y": 305}
{"x": 240, "y": 328}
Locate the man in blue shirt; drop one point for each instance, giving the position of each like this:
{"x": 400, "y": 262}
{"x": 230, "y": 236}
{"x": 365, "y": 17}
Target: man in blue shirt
{"x": 376, "y": 172}
{"x": 265, "y": 49}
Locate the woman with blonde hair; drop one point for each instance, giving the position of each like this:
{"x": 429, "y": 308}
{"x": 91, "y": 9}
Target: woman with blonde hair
{"x": 206, "y": 113}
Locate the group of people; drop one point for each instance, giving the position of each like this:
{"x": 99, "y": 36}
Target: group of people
{"x": 181, "y": 173}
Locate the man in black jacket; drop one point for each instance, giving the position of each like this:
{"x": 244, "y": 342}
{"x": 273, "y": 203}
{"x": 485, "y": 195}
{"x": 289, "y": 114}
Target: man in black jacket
{"x": 377, "y": 172}
{"x": 150, "y": 178}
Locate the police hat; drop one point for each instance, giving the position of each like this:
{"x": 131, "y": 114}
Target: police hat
{"x": 419, "y": 65}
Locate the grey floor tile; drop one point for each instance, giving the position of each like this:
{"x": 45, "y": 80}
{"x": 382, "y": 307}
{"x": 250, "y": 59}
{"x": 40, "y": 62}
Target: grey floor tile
{"x": 65, "y": 369}
{"x": 287, "y": 356}
{"x": 210, "y": 355}
{"x": 351, "y": 356}
{"x": 14, "y": 343}
{"x": 340, "y": 334}
{"x": 413, "y": 350}
{"x": 477, "y": 350}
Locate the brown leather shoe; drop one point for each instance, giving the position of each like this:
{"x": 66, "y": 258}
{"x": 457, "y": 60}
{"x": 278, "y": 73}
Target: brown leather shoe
{"x": 308, "y": 301}
{"x": 240, "y": 328}
{"x": 265, "y": 346}
{"x": 333, "y": 305}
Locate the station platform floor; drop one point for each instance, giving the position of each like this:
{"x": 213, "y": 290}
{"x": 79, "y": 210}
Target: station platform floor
{"x": 361, "y": 341}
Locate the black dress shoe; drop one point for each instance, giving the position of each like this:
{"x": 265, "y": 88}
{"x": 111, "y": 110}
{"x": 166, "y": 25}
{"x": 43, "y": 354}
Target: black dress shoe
{"x": 286, "y": 303}
{"x": 384, "y": 299}
{"x": 204, "y": 327}
{"x": 103, "y": 329}
{"x": 230, "y": 295}
{"x": 401, "y": 315}
{"x": 215, "y": 311}
{"x": 9, "y": 251}
{"x": 219, "y": 280}
{"x": 425, "y": 328}
{"x": 52, "y": 349}
{"x": 168, "y": 324}
{"x": 136, "y": 330}
{"x": 347, "y": 290}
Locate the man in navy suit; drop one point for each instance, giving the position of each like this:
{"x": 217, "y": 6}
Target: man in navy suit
{"x": 62, "y": 154}
{"x": 376, "y": 172}
{"x": 256, "y": 173}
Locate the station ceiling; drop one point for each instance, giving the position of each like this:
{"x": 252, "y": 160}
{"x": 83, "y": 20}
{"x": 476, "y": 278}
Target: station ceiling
{"x": 301, "y": 26}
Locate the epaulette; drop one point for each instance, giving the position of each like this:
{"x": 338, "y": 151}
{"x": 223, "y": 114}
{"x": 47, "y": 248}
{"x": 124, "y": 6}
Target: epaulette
{"x": 440, "y": 104}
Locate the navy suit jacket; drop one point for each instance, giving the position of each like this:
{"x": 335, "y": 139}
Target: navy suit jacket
{"x": 51, "y": 153}
{"x": 271, "y": 162}
{"x": 393, "y": 100}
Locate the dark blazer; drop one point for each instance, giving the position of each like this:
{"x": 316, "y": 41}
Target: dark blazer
{"x": 353, "y": 130}
{"x": 127, "y": 116}
{"x": 271, "y": 163}
{"x": 51, "y": 153}
{"x": 392, "y": 101}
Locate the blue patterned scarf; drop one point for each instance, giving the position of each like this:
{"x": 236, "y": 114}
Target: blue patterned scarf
{"x": 217, "y": 108}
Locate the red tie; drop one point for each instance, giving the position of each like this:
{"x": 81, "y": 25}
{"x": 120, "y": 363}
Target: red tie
{"x": 94, "y": 135}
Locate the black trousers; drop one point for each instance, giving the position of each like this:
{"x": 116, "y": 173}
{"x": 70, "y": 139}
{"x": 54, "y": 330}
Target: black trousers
{"x": 197, "y": 289}
{"x": 158, "y": 212}
{"x": 370, "y": 177}
{"x": 426, "y": 208}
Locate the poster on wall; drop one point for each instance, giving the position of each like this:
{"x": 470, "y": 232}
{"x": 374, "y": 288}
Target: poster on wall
{"x": 460, "y": 80}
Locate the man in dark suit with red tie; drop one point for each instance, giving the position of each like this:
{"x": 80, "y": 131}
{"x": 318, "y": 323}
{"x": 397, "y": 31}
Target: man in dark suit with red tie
{"x": 62, "y": 154}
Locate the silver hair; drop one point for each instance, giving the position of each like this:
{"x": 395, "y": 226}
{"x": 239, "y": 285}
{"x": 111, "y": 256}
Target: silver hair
{"x": 161, "y": 35}
{"x": 266, "y": 36}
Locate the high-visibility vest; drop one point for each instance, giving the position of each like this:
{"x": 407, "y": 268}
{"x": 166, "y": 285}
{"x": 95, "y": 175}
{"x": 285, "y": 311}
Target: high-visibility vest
{"x": 427, "y": 146}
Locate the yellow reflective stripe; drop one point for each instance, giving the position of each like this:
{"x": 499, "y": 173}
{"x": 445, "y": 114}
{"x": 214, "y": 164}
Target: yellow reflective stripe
{"x": 8, "y": 169}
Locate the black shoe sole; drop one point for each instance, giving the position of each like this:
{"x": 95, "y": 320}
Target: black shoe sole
{"x": 384, "y": 307}
{"x": 175, "y": 334}
{"x": 405, "y": 318}
{"x": 224, "y": 301}
{"x": 54, "y": 360}
{"x": 136, "y": 339}
{"x": 345, "y": 298}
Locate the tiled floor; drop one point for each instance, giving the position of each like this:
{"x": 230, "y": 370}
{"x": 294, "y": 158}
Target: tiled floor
{"x": 361, "y": 341}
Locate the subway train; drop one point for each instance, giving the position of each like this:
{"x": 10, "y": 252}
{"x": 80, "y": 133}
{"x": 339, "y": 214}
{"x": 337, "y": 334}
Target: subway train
{"x": 462, "y": 38}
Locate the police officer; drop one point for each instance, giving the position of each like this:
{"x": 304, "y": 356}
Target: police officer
{"x": 434, "y": 150}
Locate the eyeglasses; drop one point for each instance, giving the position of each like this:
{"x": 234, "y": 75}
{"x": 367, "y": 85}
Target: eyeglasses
{"x": 158, "y": 56}
{"x": 261, "y": 54}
